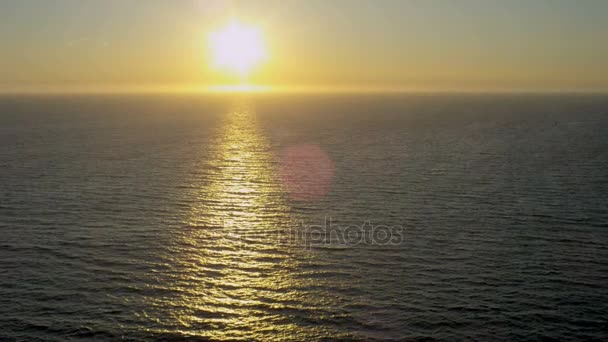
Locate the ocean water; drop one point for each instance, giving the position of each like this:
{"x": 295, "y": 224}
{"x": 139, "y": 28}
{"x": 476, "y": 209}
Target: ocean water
{"x": 304, "y": 217}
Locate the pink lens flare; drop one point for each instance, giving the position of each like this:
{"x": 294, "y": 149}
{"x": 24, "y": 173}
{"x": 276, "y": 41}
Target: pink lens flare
{"x": 306, "y": 171}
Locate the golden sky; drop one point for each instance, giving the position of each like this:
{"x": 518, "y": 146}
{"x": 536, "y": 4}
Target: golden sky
{"x": 384, "y": 44}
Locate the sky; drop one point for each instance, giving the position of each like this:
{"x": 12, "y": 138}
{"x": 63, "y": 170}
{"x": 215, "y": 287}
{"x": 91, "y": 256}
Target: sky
{"x": 400, "y": 44}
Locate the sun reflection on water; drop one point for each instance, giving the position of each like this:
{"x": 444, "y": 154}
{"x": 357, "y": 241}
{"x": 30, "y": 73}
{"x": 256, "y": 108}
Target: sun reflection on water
{"x": 236, "y": 273}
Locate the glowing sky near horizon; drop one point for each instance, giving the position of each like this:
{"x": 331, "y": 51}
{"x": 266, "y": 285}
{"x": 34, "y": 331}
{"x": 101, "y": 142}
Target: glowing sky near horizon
{"x": 544, "y": 44}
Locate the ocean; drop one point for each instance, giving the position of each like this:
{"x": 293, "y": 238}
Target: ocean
{"x": 304, "y": 217}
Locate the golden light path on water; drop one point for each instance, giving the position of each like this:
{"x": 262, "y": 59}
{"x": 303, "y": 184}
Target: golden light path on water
{"x": 238, "y": 275}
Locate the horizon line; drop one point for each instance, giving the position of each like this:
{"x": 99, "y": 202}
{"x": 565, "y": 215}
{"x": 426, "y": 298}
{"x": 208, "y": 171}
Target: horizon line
{"x": 265, "y": 89}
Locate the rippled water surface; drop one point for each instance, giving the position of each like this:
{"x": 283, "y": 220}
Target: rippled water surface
{"x": 207, "y": 217}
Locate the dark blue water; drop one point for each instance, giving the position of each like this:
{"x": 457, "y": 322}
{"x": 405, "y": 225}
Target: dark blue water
{"x": 304, "y": 217}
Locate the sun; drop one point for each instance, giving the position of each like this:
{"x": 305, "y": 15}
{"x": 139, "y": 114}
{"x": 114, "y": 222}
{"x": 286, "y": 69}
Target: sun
{"x": 237, "y": 49}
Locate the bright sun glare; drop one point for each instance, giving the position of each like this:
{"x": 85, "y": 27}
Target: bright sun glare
{"x": 237, "y": 49}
